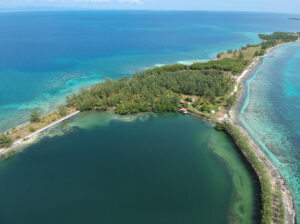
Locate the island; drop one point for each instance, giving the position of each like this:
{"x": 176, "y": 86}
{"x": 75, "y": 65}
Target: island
{"x": 206, "y": 90}
{"x": 294, "y": 18}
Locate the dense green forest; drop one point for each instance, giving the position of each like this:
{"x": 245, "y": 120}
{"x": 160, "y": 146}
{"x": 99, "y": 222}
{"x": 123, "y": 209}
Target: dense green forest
{"x": 227, "y": 64}
{"x": 159, "y": 89}
{"x": 271, "y": 40}
{"x": 285, "y": 37}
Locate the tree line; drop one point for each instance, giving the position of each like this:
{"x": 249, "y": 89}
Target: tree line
{"x": 158, "y": 89}
{"x": 270, "y": 40}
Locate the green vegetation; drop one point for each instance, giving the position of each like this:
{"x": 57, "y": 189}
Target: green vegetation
{"x": 189, "y": 99}
{"x": 234, "y": 65}
{"x": 35, "y": 116}
{"x": 219, "y": 55}
{"x": 230, "y": 101}
{"x": 32, "y": 129}
{"x": 259, "y": 53}
{"x": 241, "y": 141}
{"x": 270, "y": 40}
{"x": 219, "y": 126}
{"x": 202, "y": 115}
{"x": 62, "y": 111}
{"x": 5, "y": 141}
{"x": 280, "y": 210}
{"x": 159, "y": 89}
{"x": 282, "y": 36}
{"x": 241, "y": 55}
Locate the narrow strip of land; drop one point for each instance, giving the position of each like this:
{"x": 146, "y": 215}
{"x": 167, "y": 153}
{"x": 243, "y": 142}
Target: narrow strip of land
{"x": 27, "y": 138}
{"x": 277, "y": 182}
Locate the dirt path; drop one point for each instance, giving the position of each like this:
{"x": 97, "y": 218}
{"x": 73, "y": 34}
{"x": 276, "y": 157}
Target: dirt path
{"x": 27, "y": 138}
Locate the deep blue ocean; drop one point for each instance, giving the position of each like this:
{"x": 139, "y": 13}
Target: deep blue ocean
{"x": 45, "y": 56}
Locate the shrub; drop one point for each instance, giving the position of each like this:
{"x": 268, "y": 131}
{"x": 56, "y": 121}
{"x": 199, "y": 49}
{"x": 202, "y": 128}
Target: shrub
{"x": 185, "y": 105}
{"x": 35, "y": 116}
{"x": 205, "y": 107}
{"x": 219, "y": 55}
{"x": 5, "y": 141}
{"x": 230, "y": 101}
{"x": 219, "y": 126}
{"x": 241, "y": 55}
{"x": 62, "y": 111}
{"x": 189, "y": 99}
{"x": 32, "y": 129}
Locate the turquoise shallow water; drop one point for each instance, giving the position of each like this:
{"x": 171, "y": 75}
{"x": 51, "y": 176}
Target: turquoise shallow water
{"x": 59, "y": 52}
{"x": 102, "y": 168}
{"x": 271, "y": 112}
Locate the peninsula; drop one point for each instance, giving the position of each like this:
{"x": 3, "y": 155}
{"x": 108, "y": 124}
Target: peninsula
{"x": 206, "y": 90}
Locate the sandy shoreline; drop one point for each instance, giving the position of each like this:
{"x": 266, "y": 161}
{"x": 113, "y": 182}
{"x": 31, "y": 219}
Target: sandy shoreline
{"x": 29, "y": 138}
{"x": 288, "y": 201}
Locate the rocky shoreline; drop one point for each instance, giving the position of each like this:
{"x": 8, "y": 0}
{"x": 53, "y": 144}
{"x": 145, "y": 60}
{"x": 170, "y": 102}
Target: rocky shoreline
{"x": 276, "y": 178}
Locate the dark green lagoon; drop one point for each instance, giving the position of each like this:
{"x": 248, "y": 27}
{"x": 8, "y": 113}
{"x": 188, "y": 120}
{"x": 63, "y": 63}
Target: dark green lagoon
{"x": 101, "y": 168}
